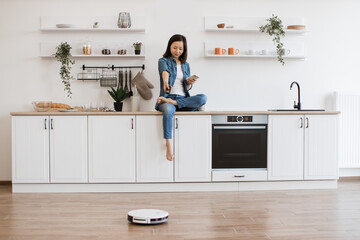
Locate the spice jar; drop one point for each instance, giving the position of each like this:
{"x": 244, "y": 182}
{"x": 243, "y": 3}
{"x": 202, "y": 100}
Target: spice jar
{"x": 87, "y": 49}
{"x": 106, "y": 51}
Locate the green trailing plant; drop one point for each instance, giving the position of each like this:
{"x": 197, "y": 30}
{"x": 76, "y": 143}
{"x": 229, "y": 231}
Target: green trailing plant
{"x": 119, "y": 94}
{"x": 63, "y": 56}
{"x": 137, "y": 45}
{"x": 274, "y": 28}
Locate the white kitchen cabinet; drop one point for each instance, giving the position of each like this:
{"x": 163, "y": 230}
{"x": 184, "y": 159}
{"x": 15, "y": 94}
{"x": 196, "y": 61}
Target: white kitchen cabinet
{"x": 151, "y": 162}
{"x": 111, "y": 149}
{"x": 30, "y": 149}
{"x": 68, "y": 149}
{"x": 192, "y": 148}
{"x": 321, "y": 151}
{"x": 285, "y": 147}
{"x": 302, "y": 147}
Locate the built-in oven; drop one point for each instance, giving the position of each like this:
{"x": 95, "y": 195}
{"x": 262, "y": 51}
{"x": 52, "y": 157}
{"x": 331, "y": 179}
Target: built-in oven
{"x": 239, "y": 142}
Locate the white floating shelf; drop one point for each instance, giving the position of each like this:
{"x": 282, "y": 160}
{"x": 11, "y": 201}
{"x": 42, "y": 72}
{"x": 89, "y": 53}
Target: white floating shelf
{"x": 100, "y": 56}
{"x": 93, "y": 29}
{"x": 85, "y": 23}
{"x": 251, "y": 30}
{"x": 253, "y": 56}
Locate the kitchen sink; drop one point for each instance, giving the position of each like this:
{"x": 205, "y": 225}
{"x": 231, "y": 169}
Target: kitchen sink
{"x": 295, "y": 110}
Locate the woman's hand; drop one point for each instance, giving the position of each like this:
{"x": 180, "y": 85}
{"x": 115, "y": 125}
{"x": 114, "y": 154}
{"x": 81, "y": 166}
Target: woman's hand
{"x": 166, "y": 85}
{"x": 191, "y": 80}
{"x": 165, "y": 76}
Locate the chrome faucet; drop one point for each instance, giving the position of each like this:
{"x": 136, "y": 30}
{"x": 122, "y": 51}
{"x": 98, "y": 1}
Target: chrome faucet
{"x": 298, "y": 105}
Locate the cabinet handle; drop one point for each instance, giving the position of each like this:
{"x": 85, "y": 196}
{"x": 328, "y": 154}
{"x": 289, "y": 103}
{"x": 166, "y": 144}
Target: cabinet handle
{"x": 51, "y": 124}
{"x": 307, "y": 122}
{"x": 301, "y": 122}
{"x": 239, "y": 176}
{"x": 45, "y": 124}
{"x": 176, "y": 123}
{"x": 132, "y": 123}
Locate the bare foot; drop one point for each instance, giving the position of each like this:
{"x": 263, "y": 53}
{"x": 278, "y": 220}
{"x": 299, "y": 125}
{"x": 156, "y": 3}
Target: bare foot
{"x": 166, "y": 100}
{"x": 169, "y": 155}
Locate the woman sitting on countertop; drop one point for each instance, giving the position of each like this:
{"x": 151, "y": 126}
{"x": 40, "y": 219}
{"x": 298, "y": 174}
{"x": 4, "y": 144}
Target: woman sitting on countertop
{"x": 174, "y": 87}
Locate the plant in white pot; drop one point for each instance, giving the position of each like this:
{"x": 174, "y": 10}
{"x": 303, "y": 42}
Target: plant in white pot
{"x": 275, "y": 28}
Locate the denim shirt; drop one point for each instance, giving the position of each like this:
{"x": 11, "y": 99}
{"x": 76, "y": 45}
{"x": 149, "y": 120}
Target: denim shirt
{"x": 169, "y": 65}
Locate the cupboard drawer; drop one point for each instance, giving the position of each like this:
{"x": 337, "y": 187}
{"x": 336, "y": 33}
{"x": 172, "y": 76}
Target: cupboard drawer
{"x": 239, "y": 175}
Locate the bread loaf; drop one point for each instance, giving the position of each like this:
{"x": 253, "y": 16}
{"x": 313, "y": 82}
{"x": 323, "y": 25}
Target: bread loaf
{"x": 53, "y": 105}
{"x": 59, "y": 105}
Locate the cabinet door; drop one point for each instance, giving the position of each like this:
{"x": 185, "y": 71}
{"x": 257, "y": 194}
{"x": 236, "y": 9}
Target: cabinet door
{"x": 30, "y": 149}
{"x": 192, "y": 148}
{"x": 321, "y": 148}
{"x": 111, "y": 148}
{"x": 68, "y": 149}
{"x": 285, "y": 147}
{"x": 152, "y": 165}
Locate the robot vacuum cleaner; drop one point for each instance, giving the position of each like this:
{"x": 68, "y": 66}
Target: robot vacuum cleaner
{"x": 148, "y": 216}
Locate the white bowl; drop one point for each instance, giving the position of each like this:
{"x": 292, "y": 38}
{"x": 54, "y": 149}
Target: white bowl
{"x": 65, "y": 25}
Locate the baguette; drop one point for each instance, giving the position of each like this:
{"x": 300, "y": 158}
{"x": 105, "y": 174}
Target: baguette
{"x": 59, "y": 105}
{"x": 53, "y": 105}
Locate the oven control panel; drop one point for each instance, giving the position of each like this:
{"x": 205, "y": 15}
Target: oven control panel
{"x": 239, "y": 118}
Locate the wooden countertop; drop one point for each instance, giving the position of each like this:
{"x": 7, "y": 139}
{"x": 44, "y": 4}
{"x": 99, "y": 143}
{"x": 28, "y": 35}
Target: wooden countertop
{"x": 57, "y": 113}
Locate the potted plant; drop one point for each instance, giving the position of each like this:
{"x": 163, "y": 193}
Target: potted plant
{"x": 63, "y": 55}
{"x": 96, "y": 25}
{"x": 137, "y": 47}
{"x": 119, "y": 94}
{"x": 274, "y": 28}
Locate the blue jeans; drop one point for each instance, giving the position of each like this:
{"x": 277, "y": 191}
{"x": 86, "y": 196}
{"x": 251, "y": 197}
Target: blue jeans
{"x": 184, "y": 104}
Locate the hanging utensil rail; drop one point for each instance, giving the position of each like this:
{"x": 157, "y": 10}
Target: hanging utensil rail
{"x": 114, "y": 67}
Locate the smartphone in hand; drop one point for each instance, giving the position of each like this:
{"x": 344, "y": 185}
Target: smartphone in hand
{"x": 193, "y": 77}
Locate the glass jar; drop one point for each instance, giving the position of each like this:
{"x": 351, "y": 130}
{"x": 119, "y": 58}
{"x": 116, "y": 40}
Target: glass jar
{"x": 87, "y": 49}
{"x": 124, "y": 20}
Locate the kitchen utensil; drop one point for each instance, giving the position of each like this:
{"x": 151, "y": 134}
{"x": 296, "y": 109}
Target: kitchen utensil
{"x": 41, "y": 106}
{"x": 126, "y": 86}
{"x": 120, "y": 79}
{"x": 296, "y": 27}
{"x": 130, "y": 92}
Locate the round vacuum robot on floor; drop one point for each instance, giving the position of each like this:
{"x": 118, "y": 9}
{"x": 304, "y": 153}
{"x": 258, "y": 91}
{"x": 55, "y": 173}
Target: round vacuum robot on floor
{"x": 148, "y": 216}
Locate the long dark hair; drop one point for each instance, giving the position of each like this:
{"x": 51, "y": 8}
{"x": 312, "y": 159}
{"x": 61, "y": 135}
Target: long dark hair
{"x": 176, "y": 38}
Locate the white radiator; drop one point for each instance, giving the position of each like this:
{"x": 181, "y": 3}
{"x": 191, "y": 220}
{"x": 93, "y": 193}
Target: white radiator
{"x": 349, "y": 129}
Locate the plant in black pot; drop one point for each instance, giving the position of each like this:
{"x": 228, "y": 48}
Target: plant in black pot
{"x": 119, "y": 94}
{"x": 137, "y": 47}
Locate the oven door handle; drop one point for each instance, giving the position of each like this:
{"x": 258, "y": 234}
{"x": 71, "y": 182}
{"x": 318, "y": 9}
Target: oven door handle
{"x": 239, "y": 127}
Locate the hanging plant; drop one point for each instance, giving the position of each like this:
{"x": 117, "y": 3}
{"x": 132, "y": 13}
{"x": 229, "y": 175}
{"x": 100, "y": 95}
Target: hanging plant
{"x": 63, "y": 56}
{"x": 274, "y": 28}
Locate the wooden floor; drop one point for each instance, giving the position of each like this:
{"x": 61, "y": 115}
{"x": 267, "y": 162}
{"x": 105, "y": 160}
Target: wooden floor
{"x": 285, "y": 215}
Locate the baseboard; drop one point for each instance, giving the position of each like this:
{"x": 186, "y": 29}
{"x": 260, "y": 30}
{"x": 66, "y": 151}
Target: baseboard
{"x": 173, "y": 187}
{"x": 349, "y": 172}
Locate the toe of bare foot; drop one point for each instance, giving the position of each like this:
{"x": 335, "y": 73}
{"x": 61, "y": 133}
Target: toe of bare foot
{"x": 169, "y": 157}
{"x": 161, "y": 100}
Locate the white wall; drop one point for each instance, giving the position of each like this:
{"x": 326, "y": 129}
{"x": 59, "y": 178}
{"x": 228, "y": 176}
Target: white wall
{"x": 233, "y": 84}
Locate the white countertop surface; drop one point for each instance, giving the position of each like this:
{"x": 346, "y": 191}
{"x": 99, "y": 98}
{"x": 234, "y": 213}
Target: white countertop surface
{"x": 57, "y": 113}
